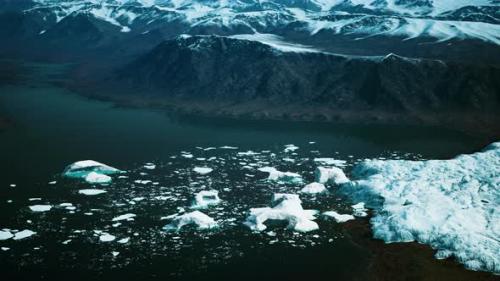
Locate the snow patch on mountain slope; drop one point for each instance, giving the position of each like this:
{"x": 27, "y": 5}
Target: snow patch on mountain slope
{"x": 276, "y": 42}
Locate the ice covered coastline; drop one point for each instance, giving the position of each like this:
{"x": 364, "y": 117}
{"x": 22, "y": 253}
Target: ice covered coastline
{"x": 451, "y": 205}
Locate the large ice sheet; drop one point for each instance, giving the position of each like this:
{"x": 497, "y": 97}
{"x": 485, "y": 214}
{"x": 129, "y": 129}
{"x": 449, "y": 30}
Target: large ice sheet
{"x": 452, "y": 205}
{"x": 287, "y": 207}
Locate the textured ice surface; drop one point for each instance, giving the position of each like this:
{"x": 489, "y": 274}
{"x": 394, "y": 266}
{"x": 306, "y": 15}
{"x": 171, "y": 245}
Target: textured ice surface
{"x": 313, "y": 188}
{"x": 330, "y": 175}
{"x": 452, "y": 205}
{"x": 206, "y": 198}
{"x": 286, "y": 207}
{"x": 196, "y": 218}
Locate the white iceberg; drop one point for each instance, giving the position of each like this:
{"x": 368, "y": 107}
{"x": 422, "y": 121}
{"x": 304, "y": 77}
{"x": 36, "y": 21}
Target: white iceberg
{"x": 5, "y": 234}
{"x": 23, "y": 234}
{"x": 313, "y": 188}
{"x": 202, "y": 170}
{"x": 40, "y": 208}
{"x": 340, "y": 218}
{"x": 197, "y": 218}
{"x": 206, "y": 198}
{"x": 91, "y": 192}
{"x": 330, "y": 175}
{"x": 275, "y": 175}
{"x": 290, "y": 148}
{"x": 451, "y": 205}
{"x": 285, "y": 207}
{"x": 91, "y": 171}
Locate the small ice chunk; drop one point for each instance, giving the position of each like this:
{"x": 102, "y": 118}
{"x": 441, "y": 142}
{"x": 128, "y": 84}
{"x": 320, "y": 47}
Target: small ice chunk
{"x": 340, "y": 218}
{"x": 206, "y": 198}
{"x": 331, "y": 174}
{"x": 197, "y": 218}
{"x": 359, "y": 210}
{"x": 123, "y": 240}
{"x": 128, "y": 217}
{"x": 106, "y": 237}
{"x": 203, "y": 170}
{"x": 23, "y": 234}
{"x": 287, "y": 207}
{"x": 82, "y": 169}
{"x": 40, "y": 208}
{"x": 313, "y": 188}
{"x": 115, "y": 254}
{"x": 98, "y": 178}
{"x": 290, "y": 148}
{"x": 4, "y": 235}
{"x": 149, "y": 166}
{"x": 275, "y": 175}
{"x": 91, "y": 192}
{"x": 5, "y": 249}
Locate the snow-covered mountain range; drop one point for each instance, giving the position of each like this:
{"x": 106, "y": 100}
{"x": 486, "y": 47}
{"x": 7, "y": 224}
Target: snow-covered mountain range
{"x": 438, "y": 20}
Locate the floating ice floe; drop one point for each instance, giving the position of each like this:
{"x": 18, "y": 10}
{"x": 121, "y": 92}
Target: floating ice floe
{"x": 313, "y": 188}
{"x": 330, "y": 175}
{"x": 197, "y": 218}
{"x": 285, "y": 207}
{"x": 340, "y": 218}
{"x": 23, "y": 234}
{"x": 452, "y": 205}
{"x": 202, "y": 170}
{"x": 40, "y": 208}
{"x": 91, "y": 192}
{"x": 106, "y": 237}
{"x": 128, "y": 217}
{"x": 5, "y": 234}
{"x": 275, "y": 175}
{"x": 206, "y": 198}
{"x": 90, "y": 171}
{"x": 149, "y": 166}
{"x": 331, "y": 162}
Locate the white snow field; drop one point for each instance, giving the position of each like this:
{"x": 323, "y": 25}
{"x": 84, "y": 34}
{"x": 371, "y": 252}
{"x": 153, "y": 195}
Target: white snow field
{"x": 206, "y": 198}
{"x": 452, "y": 205}
{"x": 330, "y": 175}
{"x": 197, "y": 218}
{"x": 287, "y": 207}
{"x": 90, "y": 171}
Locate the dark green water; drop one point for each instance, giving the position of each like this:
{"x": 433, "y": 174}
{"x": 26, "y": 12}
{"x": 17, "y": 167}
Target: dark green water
{"x": 53, "y": 127}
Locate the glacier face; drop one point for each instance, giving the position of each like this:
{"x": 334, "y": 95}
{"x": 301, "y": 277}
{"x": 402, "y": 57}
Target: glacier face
{"x": 452, "y": 205}
{"x": 440, "y": 20}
